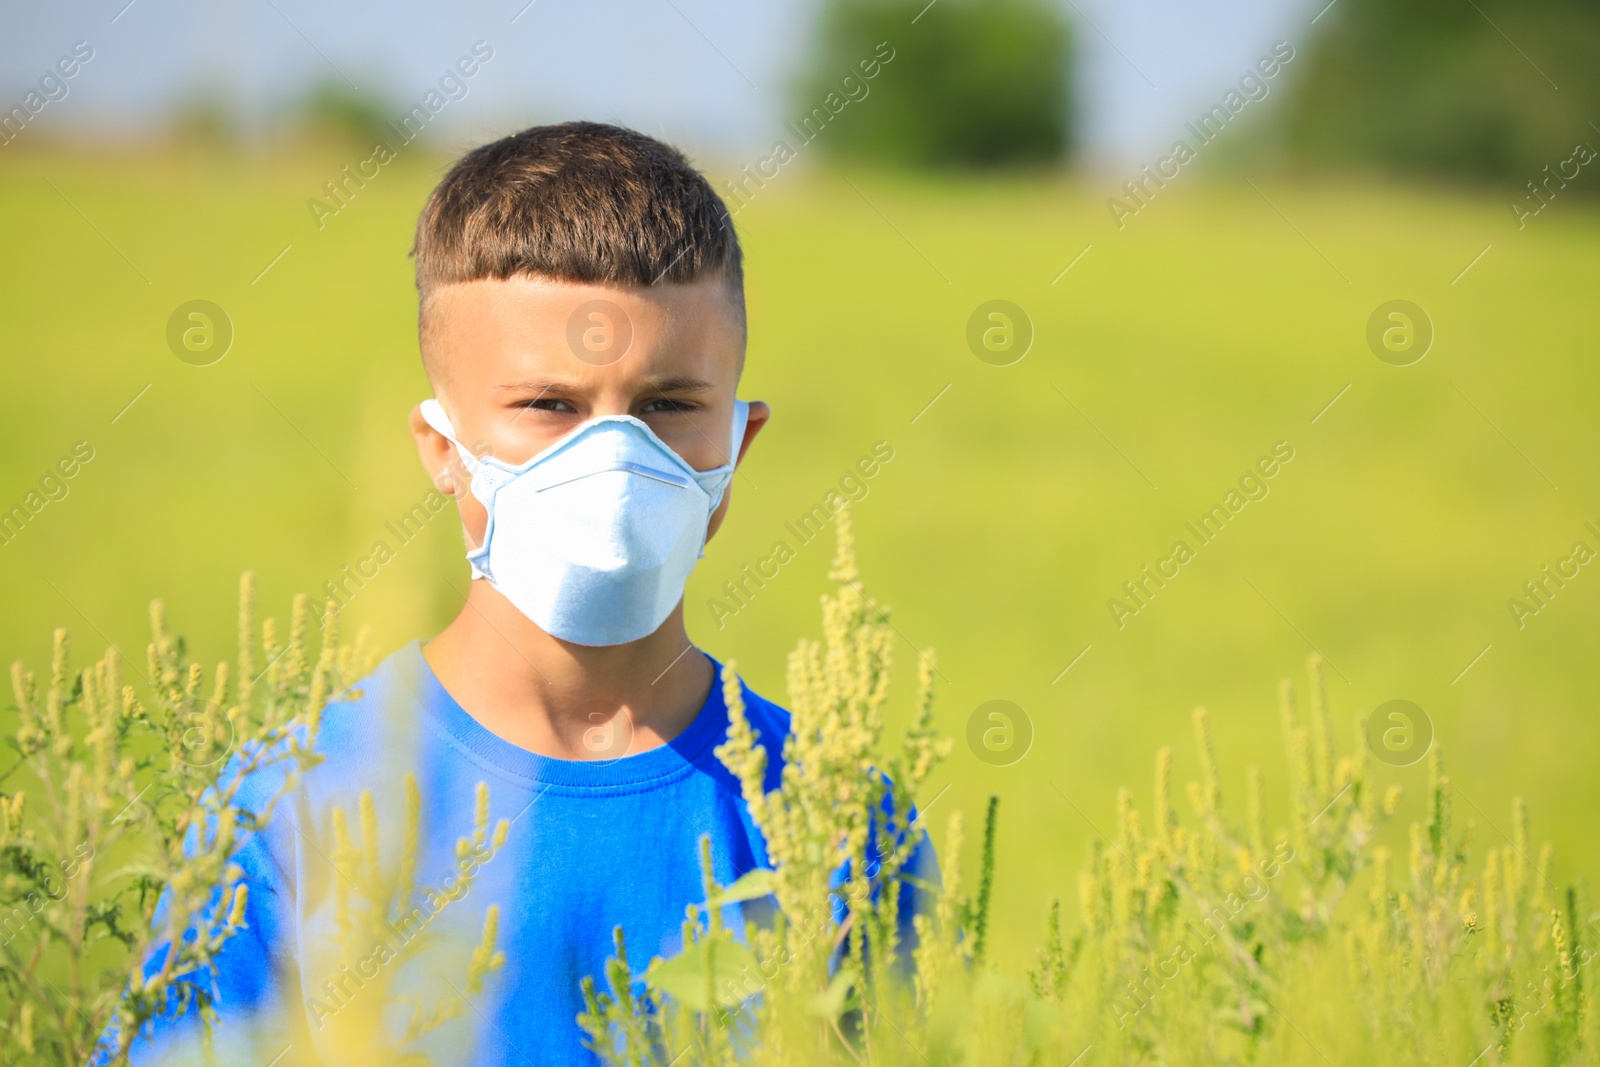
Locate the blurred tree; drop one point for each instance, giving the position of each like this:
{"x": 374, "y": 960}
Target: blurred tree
{"x": 207, "y": 118}
{"x": 1462, "y": 87}
{"x": 971, "y": 83}
{"x": 334, "y": 110}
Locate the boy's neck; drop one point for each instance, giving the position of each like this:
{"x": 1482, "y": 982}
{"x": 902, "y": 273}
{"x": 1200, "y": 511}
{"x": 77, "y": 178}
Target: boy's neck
{"x": 563, "y": 700}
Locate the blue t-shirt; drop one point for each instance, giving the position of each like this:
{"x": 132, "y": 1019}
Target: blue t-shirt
{"x": 592, "y": 845}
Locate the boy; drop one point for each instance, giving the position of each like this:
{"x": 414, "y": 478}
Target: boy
{"x": 582, "y": 325}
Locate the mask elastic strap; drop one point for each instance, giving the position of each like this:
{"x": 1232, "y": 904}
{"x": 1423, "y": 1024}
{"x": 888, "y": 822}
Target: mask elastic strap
{"x": 741, "y": 418}
{"x": 433, "y": 414}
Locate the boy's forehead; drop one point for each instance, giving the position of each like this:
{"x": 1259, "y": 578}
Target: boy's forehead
{"x": 496, "y": 328}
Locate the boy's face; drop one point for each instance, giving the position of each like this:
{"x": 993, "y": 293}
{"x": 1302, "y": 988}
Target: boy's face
{"x": 519, "y": 363}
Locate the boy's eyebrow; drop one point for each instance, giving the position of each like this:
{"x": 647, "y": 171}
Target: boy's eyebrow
{"x": 678, "y": 383}
{"x": 670, "y": 383}
{"x": 534, "y": 385}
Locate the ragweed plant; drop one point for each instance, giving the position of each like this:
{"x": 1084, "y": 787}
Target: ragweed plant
{"x": 382, "y": 921}
{"x": 1217, "y": 941}
{"x": 125, "y": 789}
{"x": 1507, "y": 941}
{"x": 1184, "y": 924}
{"x": 1204, "y": 938}
{"x": 840, "y": 832}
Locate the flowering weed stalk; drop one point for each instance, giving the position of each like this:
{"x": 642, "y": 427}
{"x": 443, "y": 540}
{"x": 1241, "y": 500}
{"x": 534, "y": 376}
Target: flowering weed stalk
{"x": 114, "y": 778}
{"x": 1201, "y": 939}
{"x": 381, "y": 927}
{"x": 839, "y": 833}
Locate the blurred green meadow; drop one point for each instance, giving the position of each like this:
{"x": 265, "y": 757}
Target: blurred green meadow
{"x": 1172, "y": 356}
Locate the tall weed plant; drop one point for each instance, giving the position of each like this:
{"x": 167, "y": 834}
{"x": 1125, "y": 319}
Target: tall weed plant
{"x": 1201, "y": 938}
{"x": 117, "y": 830}
{"x": 124, "y": 795}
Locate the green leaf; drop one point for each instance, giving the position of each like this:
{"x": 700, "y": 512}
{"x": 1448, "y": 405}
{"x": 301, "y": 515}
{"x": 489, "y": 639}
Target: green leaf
{"x": 761, "y": 882}
{"x": 830, "y": 1003}
{"x": 683, "y": 977}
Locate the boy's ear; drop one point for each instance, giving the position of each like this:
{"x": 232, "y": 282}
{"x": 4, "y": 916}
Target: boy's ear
{"x": 759, "y": 414}
{"x": 438, "y": 455}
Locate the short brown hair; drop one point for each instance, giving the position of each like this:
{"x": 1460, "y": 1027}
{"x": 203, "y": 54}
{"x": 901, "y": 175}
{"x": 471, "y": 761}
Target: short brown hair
{"x": 577, "y": 202}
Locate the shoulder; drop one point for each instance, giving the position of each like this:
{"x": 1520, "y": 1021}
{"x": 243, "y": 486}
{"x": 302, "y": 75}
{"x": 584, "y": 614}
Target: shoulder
{"x": 387, "y": 704}
{"x": 771, "y": 720}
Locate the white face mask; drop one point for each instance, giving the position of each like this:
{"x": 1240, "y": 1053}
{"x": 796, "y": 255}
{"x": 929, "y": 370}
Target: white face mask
{"x": 594, "y": 538}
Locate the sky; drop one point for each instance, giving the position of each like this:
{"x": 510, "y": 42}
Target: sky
{"x": 711, "y": 75}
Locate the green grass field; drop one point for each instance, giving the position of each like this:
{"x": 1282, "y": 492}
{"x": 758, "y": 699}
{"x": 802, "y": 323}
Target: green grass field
{"x": 1167, "y": 360}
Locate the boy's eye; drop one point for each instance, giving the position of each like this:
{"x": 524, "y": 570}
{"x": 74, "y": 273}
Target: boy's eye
{"x": 545, "y": 403}
{"x": 666, "y": 404}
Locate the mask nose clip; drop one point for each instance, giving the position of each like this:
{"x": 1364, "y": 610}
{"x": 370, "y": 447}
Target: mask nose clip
{"x": 629, "y": 467}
